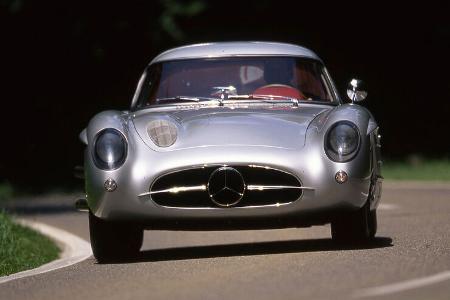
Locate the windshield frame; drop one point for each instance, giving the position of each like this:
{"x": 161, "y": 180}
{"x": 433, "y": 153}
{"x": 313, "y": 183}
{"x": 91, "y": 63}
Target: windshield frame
{"x": 140, "y": 94}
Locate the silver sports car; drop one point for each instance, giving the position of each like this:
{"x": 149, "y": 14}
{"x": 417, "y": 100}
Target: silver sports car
{"x": 238, "y": 135}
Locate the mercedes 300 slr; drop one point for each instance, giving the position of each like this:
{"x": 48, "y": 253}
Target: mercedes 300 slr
{"x": 236, "y": 135}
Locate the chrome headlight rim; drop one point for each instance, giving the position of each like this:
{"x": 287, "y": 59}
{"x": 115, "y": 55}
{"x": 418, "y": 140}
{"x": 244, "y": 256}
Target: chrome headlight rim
{"x": 98, "y": 161}
{"x": 331, "y": 153}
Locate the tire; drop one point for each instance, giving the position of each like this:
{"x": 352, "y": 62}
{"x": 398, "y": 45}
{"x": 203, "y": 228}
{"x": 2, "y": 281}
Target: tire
{"x": 359, "y": 226}
{"x": 373, "y": 223}
{"x": 113, "y": 240}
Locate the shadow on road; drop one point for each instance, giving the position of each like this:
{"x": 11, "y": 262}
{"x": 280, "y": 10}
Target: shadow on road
{"x": 247, "y": 249}
{"x": 48, "y": 204}
{"x": 48, "y": 209}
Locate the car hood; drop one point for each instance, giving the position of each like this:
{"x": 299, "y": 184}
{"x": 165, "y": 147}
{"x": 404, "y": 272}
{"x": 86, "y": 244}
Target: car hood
{"x": 283, "y": 127}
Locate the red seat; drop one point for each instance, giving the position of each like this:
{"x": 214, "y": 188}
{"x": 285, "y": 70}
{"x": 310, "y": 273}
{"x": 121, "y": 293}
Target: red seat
{"x": 279, "y": 90}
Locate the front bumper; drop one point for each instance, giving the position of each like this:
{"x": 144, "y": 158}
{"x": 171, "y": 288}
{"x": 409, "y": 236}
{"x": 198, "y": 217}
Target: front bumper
{"x": 317, "y": 205}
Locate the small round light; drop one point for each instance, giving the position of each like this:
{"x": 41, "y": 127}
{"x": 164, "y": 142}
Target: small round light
{"x": 162, "y": 132}
{"x": 341, "y": 177}
{"x": 110, "y": 185}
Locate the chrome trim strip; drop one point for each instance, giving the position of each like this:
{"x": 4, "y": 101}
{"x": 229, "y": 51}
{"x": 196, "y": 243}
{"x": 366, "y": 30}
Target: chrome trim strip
{"x": 229, "y": 208}
{"x": 275, "y": 187}
{"x": 176, "y": 190}
{"x": 180, "y": 189}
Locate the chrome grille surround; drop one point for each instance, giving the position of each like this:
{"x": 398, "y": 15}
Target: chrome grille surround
{"x": 188, "y": 188}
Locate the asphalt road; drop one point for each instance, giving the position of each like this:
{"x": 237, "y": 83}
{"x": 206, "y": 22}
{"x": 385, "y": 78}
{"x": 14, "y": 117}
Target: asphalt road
{"x": 412, "y": 246}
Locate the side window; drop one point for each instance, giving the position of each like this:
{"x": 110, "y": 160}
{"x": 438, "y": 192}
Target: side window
{"x": 150, "y": 86}
{"x": 311, "y": 81}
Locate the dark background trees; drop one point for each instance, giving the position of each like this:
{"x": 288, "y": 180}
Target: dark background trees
{"x": 64, "y": 61}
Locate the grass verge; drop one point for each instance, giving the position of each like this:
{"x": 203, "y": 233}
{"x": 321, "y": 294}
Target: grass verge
{"x": 22, "y": 248}
{"x": 6, "y": 191}
{"x": 431, "y": 170}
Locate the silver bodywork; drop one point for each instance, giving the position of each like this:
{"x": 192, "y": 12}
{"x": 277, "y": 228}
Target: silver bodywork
{"x": 234, "y": 49}
{"x": 283, "y": 137}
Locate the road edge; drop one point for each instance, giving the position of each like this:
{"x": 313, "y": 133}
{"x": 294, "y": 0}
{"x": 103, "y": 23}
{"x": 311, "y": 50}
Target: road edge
{"x": 74, "y": 250}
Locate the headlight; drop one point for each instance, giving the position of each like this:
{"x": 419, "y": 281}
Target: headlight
{"x": 342, "y": 141}
{"x": 110, "y": 149}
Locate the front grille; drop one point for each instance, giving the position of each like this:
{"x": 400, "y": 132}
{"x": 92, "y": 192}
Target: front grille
{"x": 189, "y": 188}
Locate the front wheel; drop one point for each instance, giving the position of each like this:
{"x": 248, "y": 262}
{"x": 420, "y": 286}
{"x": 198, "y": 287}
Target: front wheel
{"x": 358, "y": 226}
{"x": 373, "y": 223}
{"x": 113, "y": 240}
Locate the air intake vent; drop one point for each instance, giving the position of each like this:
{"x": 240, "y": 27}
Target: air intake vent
{"x": 191, "y": 188}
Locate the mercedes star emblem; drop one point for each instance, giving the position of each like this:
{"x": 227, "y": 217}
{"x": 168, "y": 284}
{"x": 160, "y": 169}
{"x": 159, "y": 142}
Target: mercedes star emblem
{"x": 226, "y": 186}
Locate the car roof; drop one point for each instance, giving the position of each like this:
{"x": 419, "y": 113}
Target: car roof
{"x": 230, "y": 49}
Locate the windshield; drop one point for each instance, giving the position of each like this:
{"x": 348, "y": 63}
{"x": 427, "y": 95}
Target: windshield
{"x": 249, "y": 78}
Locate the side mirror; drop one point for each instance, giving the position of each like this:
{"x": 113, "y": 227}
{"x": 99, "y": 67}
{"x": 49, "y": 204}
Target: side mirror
{"x": 356, "y": 90}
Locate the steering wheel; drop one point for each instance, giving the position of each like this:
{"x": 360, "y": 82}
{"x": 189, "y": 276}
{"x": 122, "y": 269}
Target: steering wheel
{"x": 280, "y": 90}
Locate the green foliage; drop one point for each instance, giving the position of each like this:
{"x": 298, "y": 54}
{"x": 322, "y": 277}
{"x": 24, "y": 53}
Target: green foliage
{"x": 174, "y": 9}
{"x": 417, "y": 169}
{"x": 22, "y": 248}
{"x": 6, "y": 191}
{"x": 13, "y": 6}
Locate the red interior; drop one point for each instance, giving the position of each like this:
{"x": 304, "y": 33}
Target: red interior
{"x": 279, "y": 90}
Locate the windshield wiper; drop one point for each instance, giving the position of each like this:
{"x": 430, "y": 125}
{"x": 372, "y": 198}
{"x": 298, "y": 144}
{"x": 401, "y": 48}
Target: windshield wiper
{"x": 187, "y": 98}
{"x": 272, "y": 99}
